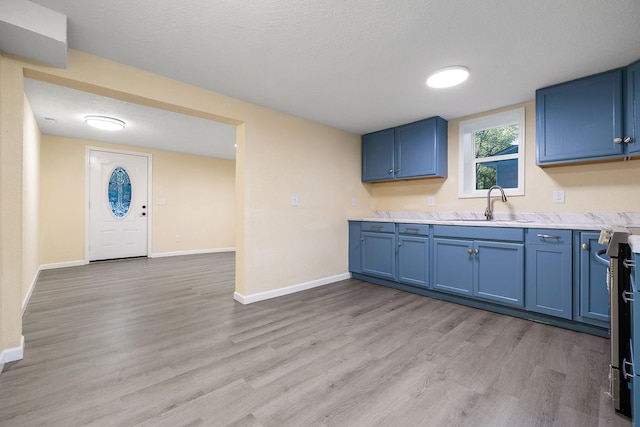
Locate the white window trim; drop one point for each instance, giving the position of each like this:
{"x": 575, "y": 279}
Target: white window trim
{"x": 466, "y": 154}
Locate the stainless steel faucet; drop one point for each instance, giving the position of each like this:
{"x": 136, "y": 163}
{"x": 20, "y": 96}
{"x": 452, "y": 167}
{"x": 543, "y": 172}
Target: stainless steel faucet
{"x": 488, "y": 213}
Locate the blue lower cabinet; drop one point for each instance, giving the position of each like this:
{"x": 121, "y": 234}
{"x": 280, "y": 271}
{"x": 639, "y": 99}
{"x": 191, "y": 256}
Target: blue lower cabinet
{"x": 379, "y": 254}
{"x": 355, "y": 240}
{"x": 453, "y": 266}
{"x": 488, "y": 270}
{"x": 499, "y": 272}
{"x": 549, "y": 273}
{"x": 593, "y": 296}
{"x": 413, "y": 260}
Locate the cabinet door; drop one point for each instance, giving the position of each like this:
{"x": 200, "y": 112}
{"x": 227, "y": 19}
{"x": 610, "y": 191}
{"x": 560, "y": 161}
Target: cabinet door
{"x": 578, "y": 120}
{"x": 453, "y": 266}
{"x": 413, "y": 260}
{"x": 632, "y": 118}
{"x": 355, "y": 257}
{"x": 421, "y": 148}
{"x": 377, "y": 155}
{"x": 500, "y": 272}
{"x": 548, "y": 281}
{"x": 378, "y": 254}
{"x": 415, "y": 149}
{"x": 593, "y": 295}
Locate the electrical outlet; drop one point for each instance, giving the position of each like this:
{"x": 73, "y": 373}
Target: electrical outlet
{"x": 353, "y": 201}
{"x": 162, "y": 201}
{"x": 558, "y": 196}
{"x": 294, "y": 200}
{"x": 178, "y": 238}
{"x": 431, "y": 201}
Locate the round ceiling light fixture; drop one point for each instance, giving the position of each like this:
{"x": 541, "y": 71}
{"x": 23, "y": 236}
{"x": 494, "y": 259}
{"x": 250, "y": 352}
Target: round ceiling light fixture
{"x": 448, "y": 77}
{"x": 104, "y": 122}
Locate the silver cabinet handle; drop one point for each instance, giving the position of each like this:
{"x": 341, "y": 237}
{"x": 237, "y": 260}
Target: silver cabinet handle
{"x": 627, "y": 140}
{"x": 397, "y": 170}
{"x": 376, "y": 226}
{"x": 548, "y": 236}
{"x": 391, "y": 170}
{"x": 627, "y": 296}
{"x": 617, "y": 140}
{"x": 475, "y": 251}
{"x": 469, "y": 251}
{"x": 411, "y": 229}
{"x": 586, "y": 246}
{"x": 399, "y": 243}
{"x": 628, "y": 263}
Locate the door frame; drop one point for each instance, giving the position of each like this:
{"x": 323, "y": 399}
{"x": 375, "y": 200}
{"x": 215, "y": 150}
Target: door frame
{"x": 87, "y": 194}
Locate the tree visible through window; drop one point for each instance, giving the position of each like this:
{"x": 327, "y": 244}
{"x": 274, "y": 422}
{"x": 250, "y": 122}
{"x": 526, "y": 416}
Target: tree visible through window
{"x": 490, "y": 143}
{"x": 492, "y": 152}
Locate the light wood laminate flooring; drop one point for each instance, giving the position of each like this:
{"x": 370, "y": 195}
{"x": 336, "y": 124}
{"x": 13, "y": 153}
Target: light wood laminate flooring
{"x": 161, "y": 342}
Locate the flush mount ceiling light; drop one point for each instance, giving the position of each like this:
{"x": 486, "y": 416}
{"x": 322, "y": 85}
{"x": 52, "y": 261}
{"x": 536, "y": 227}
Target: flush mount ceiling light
{"x": 447, "y": 77}
{"x": 104, "y": 122}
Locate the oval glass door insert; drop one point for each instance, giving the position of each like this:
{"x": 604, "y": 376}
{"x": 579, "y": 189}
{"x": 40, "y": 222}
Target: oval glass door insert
{"x": 119, "y": 192}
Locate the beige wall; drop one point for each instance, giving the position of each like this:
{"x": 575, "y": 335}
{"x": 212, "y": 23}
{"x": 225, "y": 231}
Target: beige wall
{"x": 602, "y": 187}
{"x": 11, "y": 151}
{"x": 30, "y": 200}
{"x": 199, "y": 191}
{"x": 278, "y": 155}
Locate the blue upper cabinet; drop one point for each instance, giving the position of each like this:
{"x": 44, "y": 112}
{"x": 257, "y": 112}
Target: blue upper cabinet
{"x": 580, "y": 120}
{"x": 593, "y": 118}
{"x": 632, "y": 102}
{"x": 377, "y": 155}
{"x": 414, "y": 150}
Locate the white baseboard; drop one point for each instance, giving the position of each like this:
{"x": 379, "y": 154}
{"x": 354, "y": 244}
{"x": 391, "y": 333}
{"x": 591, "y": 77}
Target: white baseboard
{"x": 191, "y": 252}
{"x": 63, "y": 264}
{"x": 261, "y": 296}
{"x": 12, "y": 354}
{"x": 32, "y": 286}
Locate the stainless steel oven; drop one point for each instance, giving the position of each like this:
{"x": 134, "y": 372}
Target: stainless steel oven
{"x": 619, "y": 285}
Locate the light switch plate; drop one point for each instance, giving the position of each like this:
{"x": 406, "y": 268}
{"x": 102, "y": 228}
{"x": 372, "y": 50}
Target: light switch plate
{"x": 294, "y": 200}
{"x": 558, "y": 196}
{"x": 431, "y": 201}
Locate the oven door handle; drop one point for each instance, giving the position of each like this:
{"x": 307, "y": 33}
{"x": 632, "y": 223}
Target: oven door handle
{"x": 600, "y": 259}
{"x": 626, "y": 374}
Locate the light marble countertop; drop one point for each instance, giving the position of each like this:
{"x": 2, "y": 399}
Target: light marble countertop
{"x": 634, "y": 242}
{"x": 554, "y": 220}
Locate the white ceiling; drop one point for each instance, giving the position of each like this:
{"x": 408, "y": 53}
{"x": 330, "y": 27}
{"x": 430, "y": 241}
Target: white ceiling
{"x": 145, "y": 126}
{"x": 360, "y": 65}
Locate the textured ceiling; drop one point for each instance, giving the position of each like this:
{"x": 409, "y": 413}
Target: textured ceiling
{"x": 360, "y": 65}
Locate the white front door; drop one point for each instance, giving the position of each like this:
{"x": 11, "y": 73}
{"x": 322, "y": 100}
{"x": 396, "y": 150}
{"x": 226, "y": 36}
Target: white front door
{"x": 118, "y": 205}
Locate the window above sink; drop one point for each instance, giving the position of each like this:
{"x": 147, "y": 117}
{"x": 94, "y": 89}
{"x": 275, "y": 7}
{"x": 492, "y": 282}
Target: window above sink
{"x": 492, "y": 153}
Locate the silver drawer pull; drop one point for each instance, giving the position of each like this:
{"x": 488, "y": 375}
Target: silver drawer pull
{"x": 411, "y": 229}
{"x": 629, "y": 263}
{"x": 548, "y": 236}
{"x": 627, "y": 296}
{"x": 376, "y": 226}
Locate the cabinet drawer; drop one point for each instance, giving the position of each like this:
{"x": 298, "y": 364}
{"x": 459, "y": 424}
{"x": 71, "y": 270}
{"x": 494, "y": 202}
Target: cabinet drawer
{"x": 414, "y": 229}
{"x": 548, "y": 236}
{"x": 382, "y": 227}
{"x": 484, "y": 233}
